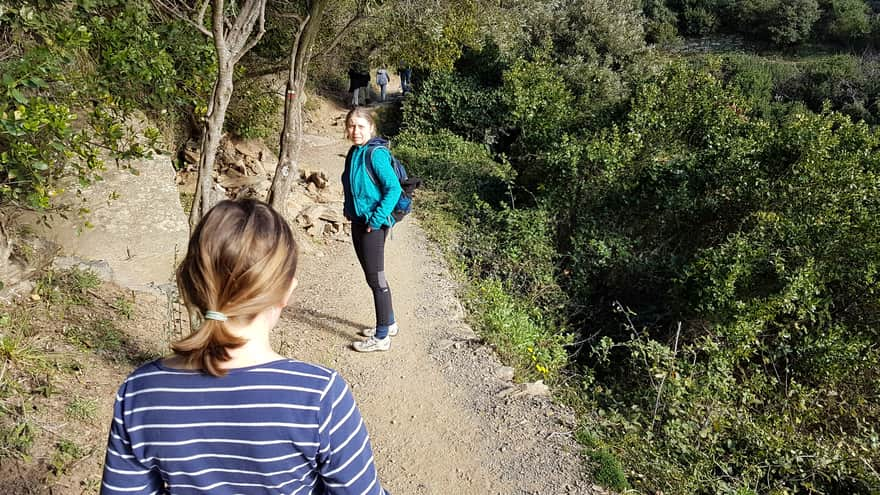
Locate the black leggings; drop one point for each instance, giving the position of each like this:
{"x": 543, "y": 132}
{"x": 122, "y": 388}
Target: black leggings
{"x": 370, "y": 250}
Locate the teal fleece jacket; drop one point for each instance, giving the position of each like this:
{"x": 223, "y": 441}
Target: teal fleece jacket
{"x": 365, "y": 201}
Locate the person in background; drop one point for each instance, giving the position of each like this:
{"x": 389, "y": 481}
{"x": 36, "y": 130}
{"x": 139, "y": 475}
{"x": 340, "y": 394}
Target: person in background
{"x": 363, "y": 84}
{"x": 354, "y": 81}
{"x": 405, "y": 78}
{"x": 225, "y": 414}
{"x": 369, "y": 199}
{"x": 382, "y": 80}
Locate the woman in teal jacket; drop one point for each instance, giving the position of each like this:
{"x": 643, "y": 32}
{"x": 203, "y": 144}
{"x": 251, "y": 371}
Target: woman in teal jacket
{"x": 369, "y": 200}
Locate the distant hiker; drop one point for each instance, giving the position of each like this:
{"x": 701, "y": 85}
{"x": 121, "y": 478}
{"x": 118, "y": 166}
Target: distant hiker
{"x": 364, "y": 78}
{"x": 382, "y": 80}
{"x": 226, "y": 414}
{"x": 358, "y": 80}
{"x": 353, "y": 85}
{"x": 368, "y": 205}
{"x": 405, "y": 78}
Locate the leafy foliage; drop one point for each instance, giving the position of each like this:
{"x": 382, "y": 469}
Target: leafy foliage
{"x": 781, "y": 23}
{"x": 715, "y": 250}
{"x": 65, "y": 100}
{"x": 456, "y": 103}
{"x": 759, "y": 241}
{"x": 254, "y": 110}
{"x": 774, "y": 87}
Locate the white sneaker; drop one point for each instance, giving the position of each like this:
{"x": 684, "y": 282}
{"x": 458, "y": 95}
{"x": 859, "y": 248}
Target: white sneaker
{"x": 369, "y": 332}
{"x": 372, "y": 344}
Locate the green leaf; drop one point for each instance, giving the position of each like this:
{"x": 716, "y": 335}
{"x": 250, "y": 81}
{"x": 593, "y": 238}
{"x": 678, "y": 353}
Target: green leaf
{"x": 38, "y": 82}
{"x": 18, "y": 95}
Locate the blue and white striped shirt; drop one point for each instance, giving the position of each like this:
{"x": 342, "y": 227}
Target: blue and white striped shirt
{"x": 285, "y": 427}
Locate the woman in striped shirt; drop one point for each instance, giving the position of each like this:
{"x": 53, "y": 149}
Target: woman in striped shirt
{"x": 226, "y": 414}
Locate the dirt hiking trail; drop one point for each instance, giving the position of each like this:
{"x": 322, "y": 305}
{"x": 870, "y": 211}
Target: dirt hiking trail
{"x": 442, "y": 413}
{"x": 431, "y": 403}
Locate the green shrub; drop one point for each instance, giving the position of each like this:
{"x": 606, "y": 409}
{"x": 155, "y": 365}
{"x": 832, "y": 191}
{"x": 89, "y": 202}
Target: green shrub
{"x": 519, "y": 331}
{"x": 495, "y": 242}
{"x": 454, "y": 167}
{"x": 847, "y": 21}
{"x": 792, "y": 22}
{"x": 148, "y": 62}
{"x": 743, "y": 261}
{"x": 67, "y": 287}
{"x": 65, "y": 455}
{"x": 66, "y": 98}
{"x": 457, "y": 104}
{"x": 254, "y": 111}
{"x": 608, "y": 472}
{"x": 698, "y": 20}
{"x": 16, "y": 439}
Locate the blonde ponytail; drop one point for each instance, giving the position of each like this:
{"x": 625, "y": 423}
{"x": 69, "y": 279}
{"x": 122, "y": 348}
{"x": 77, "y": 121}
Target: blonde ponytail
{"x": 240, "y": 260}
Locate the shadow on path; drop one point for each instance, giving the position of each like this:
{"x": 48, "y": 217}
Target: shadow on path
{"x": 323, "y": 321}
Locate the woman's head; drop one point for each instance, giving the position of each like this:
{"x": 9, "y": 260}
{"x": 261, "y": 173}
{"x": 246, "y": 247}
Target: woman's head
{"x": 240, "y": 261}
{"x": 359, "y": 126}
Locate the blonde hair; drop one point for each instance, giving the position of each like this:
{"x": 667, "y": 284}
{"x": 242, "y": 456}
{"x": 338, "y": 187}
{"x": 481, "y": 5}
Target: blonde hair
{"x": 359, "y": 112}
{"x": 241, "y": 260}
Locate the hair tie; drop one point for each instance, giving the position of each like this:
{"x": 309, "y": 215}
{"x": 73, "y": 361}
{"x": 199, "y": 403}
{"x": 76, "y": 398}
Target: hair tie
{"x": 215, "y": 315}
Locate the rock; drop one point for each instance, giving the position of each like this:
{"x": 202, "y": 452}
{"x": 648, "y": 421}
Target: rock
{"x": 140, "y": 236}
{"x": 536, "y": 389}
{"x": 445, "y": 344}
{"x": 309, "y": 215}
{"x": 17, "y": 270}
{"x": 253, "y": 148}
{"x": 238, "y": 182}
{"x": 313, "y": 230}
{"x": 329, "y": 221}
{"x": 190, "y": 156}
{"x": 504, "y": 373}
{"x": 101, "y": 268}
{"x": 258, "y": 167}
{"x": 317, "y": 177}
{"x": 332, "y": 216}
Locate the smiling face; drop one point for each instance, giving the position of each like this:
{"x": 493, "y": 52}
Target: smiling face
{"x": 359, "y": 130}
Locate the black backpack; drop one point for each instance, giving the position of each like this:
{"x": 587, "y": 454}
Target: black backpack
{"x": 408, "y": 184}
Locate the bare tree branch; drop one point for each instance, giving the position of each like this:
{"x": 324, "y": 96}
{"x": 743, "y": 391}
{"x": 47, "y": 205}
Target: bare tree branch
{"x": 183, "y": 11}
{"x": 255, "y": 38}
{"x": 200, "y": 18}
{"x": 359, "y": 16}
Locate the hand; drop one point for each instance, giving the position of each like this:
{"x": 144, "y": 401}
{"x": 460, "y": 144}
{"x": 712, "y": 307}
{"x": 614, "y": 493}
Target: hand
{"x": 369, "y": 229}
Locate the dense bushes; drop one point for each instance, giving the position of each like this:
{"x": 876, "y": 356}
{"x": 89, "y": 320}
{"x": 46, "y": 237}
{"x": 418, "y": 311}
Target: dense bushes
{"x": 715, "y": 250}
{"x": 255, "y": 110}
{"x": 847, "y": 83}
{"x": 741, "y": 260}
{"x": 39, "y": 138}
{"x": 778, "y": 23}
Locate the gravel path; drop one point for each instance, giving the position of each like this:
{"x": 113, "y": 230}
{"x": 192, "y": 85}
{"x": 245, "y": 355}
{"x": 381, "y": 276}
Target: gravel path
{"x": 431, "y": 403}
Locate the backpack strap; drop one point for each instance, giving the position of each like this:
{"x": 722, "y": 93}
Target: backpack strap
{"x": 369, "y": 159}
{"x": 348, "y": 158}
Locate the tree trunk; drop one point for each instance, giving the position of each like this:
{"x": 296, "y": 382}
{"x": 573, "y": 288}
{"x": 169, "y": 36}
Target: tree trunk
{"x": 291, "y": 133}
{"x": 291, "y": 144}
{"x": 213, "y": 132}
{"x": 233, "y": 37}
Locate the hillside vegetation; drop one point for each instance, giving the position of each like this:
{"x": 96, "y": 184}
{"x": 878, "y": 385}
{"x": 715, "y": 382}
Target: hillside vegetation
{"x": 685, "y": 243}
